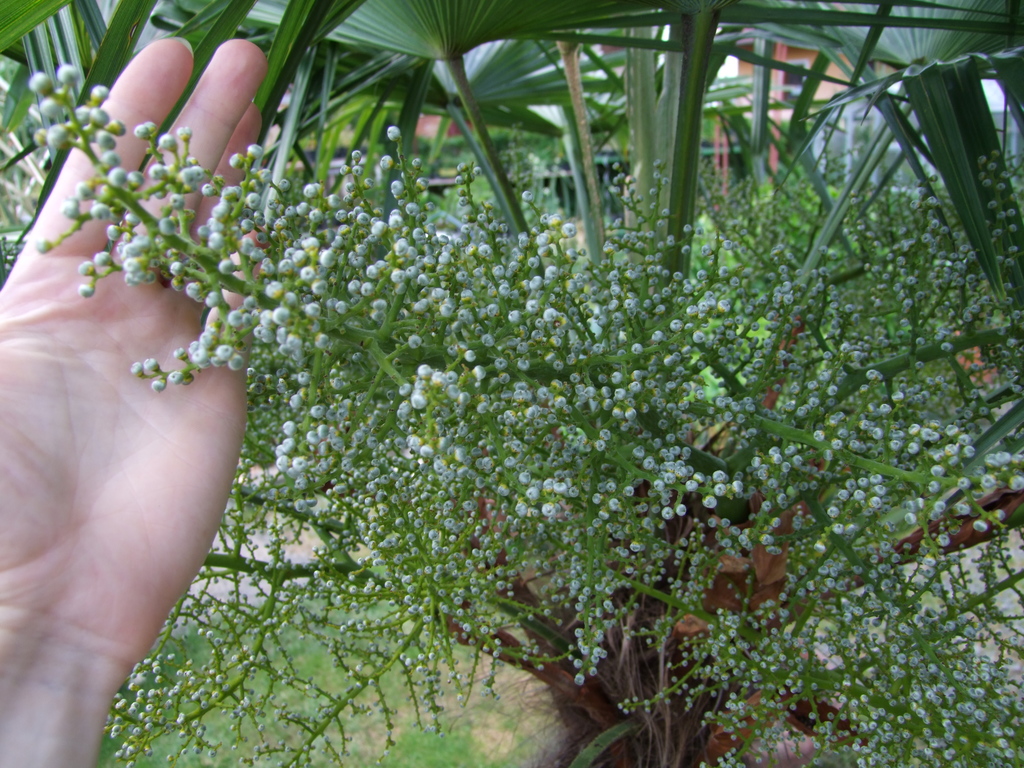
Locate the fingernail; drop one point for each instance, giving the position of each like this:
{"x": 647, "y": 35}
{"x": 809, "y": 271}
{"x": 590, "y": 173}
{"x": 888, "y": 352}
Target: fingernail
{"x": 184, "y": 42}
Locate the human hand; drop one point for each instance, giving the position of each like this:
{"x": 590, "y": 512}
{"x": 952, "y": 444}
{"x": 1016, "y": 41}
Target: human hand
{"x": 110, "y": 494}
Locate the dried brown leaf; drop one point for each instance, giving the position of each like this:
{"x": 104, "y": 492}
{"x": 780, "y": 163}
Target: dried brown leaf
{"x": 688, "y": 628}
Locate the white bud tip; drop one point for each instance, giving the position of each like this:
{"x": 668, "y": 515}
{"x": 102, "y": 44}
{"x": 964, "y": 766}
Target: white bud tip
{"x": 68, "y": 74}
{"x": 40, "y": 83}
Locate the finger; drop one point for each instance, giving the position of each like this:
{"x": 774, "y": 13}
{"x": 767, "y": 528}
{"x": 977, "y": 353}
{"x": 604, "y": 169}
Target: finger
{"x": 246, "y": 132}
{"x": 147, "y": 90}
{"x": 221, "y": 100}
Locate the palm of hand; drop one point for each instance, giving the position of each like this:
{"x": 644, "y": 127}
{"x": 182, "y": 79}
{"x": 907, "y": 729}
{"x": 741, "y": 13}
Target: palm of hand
{"x": 110, "y": 494}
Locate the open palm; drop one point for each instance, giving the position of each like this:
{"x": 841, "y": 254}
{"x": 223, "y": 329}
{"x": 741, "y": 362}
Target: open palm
{"x": 110, "y": 494}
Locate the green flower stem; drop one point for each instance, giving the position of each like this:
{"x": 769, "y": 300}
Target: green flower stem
{"x": 233, "y": 684}
{"x": 384, "y": 361}
{"x": 243, "y": 565}
{"x": 729, "y": 379}
{"x": 585, "y": 325}
{"x": 990, "y": 594}
{"x": 838, "y": 541}
{"x": 313, "y": 388}
{"x": 385, "y": 667}
{"x": 128, "y": 199}
{"x": 362, "y": 681}
{"x": 856, "y": 561}
{"x": 801, "y": 621}
{"x": 518, "y": 612}
{"x": 341, "y": 561}
{"x": 76, "y": 225}
{"x": 360, "y": 335}
{"x": 370, "y": 392}
{"x": 597, "y": 542}
{"x": 794, "y": 434}
{"x": 396, "y": 304}
{"x": 207, "y": 258}
{"x": 894, "y": 365}
{"x": 169, "y": 626}
{"x": 79, "y": 130}
{"x": 328, "y": 524}
{"x": 834, "y": 680}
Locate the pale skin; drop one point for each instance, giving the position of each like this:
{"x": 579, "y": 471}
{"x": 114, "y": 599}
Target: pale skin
{"x": 110, "y": 494}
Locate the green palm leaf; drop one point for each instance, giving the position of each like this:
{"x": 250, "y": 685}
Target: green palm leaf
{"x": 832, "y": 16}
{"x": 443, "y": 29}
{"x": 510, "y": 73}
{"x": 92, "y": 20}
{"x": 17, "y": 19}
{"x": 304, "y": 24}
{"x": 687, "y": 7}
{"x": 908, "y": 45}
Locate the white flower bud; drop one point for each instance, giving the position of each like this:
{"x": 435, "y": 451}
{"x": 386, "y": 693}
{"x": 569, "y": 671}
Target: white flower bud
{"x": 51, "y": 108}
{"x": 57, "y": 137}
{"x": 40, "y": 83}
{"x": 68, "y": 74}
{"x": 145, "y": 130}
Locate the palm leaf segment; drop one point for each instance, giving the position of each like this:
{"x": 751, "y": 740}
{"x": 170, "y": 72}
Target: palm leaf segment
{"x": 445, "y": 29}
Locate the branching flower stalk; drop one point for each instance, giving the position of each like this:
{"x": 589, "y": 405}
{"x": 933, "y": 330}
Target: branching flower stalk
{"x": 727, "y": 506}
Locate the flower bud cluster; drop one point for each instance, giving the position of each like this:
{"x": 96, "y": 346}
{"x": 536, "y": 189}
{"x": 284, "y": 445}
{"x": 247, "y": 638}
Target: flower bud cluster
{"x": 451, "y": 408}
{"x": 152, "y": 229}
